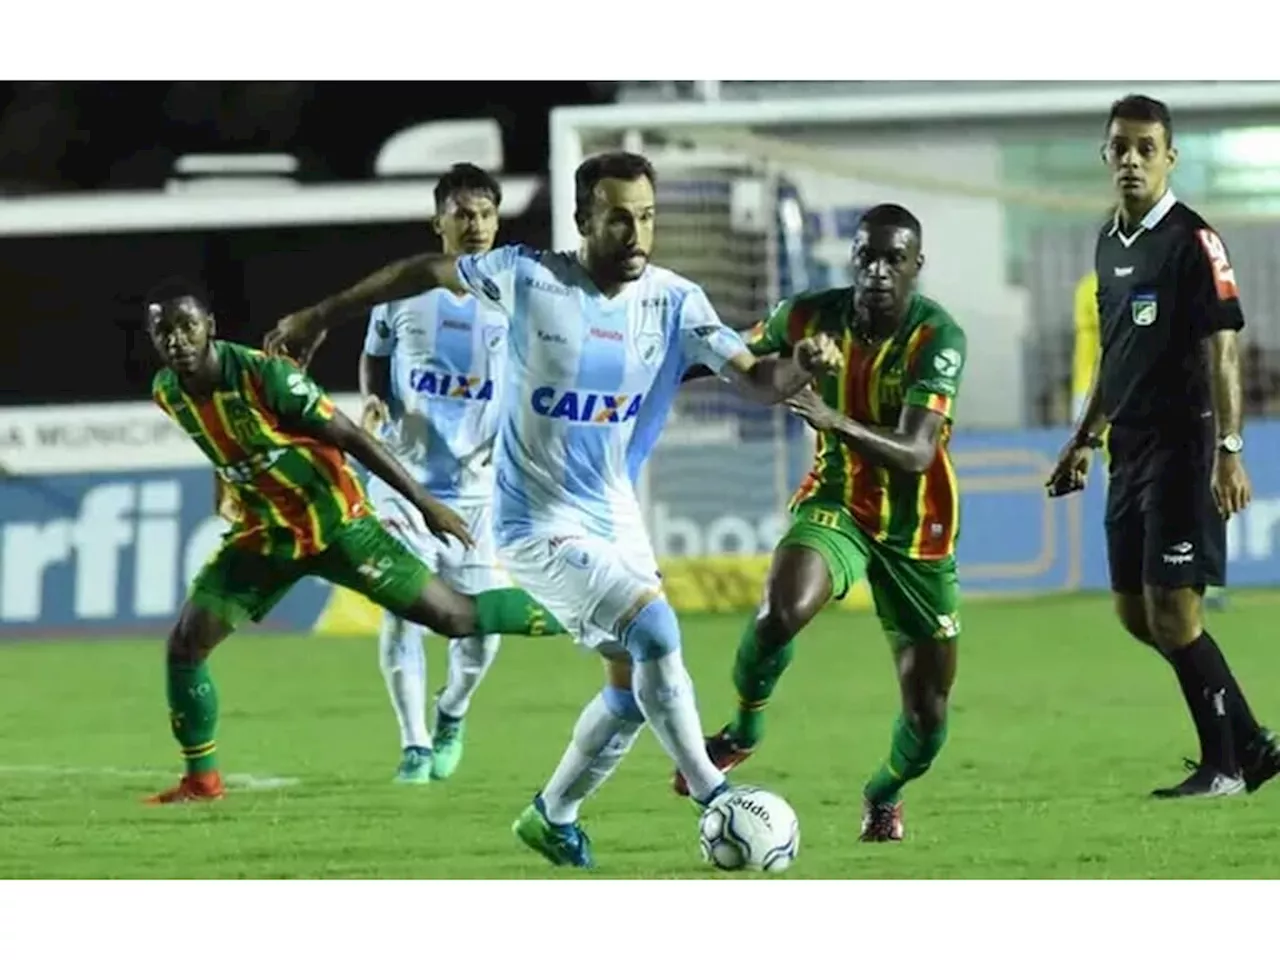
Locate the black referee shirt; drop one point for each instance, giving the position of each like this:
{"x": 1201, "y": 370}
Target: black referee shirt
{"x": 1162, "y": 289}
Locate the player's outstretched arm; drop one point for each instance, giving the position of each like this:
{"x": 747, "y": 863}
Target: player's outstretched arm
{"x": 342, "y": 433}
{"x": 910, "y": 447}
{"x": 298, "y": 334}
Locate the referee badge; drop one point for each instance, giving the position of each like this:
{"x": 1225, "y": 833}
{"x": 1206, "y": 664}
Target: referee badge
{"x": 1143, "y": 306}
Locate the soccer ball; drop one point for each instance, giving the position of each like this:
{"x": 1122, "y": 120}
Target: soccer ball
{"x": 747, "y": 828}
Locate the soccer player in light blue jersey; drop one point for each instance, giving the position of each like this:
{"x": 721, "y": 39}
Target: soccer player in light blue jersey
{"x": 598, "y": 343}
{"x": 431, "y": 376}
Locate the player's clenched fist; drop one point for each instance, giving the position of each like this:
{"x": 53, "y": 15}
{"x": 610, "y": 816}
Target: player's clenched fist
{"x": 818, "y": 355}
{"x": 374, "y": 414}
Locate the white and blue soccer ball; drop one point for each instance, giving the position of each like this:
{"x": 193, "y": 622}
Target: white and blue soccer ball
{"x": 747, "y": 828}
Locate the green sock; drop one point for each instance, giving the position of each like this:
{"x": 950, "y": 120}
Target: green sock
{"x": 910, "y": 756}
{"x": 193, "y": 709}
{"x": 755, "y": 674}
{"x": 513, "y": 611}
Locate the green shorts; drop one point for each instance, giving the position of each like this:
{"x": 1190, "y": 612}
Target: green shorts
{"x": 237, "y": 585}
{"x": 916, "y": 600}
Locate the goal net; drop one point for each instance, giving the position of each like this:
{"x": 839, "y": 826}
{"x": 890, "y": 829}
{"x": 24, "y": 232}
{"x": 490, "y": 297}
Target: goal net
{"x": 758, "y": 201}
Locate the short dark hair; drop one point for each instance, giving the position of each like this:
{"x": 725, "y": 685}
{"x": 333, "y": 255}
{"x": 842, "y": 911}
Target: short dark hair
{"x": 176, "y": 288}
{"x": 1141, "y": 109}
{"x": 615, "y": 165}
{"x": 892, "y": 215}
{"x": 466, "y": 177}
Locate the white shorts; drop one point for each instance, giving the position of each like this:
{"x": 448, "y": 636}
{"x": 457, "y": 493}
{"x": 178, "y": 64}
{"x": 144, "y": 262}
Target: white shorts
{"x": 468, "y": 570}
{"x": 588, "y": 583}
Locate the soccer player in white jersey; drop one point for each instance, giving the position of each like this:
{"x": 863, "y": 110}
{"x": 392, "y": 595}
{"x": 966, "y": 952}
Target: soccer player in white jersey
{"x": 598, "y": 343}
{"x": 431, "y": 377}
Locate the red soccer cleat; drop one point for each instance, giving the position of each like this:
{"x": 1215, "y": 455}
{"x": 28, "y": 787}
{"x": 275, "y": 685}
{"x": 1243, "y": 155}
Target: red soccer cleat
{"x": 193, "y": 788}
{"x": 881, "y": 822}
{"x": 724, "y": 753}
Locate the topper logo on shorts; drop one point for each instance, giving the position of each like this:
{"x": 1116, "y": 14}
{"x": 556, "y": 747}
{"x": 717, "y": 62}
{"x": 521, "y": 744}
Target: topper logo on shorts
{"x": 579, "y": 406}
{"x": 460, "y": 386}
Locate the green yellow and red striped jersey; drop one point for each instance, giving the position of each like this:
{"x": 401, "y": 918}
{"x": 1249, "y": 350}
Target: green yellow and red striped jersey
{"x": 920, "y": 365}
{"x": 293, "y": 490}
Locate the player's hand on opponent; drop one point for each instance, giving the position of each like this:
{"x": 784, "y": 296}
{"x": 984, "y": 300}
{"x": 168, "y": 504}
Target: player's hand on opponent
{"x": 297, "y": 336}
{"x": 1231, "y": 488}
{"x": 813, "y": 410}
{"x": 1072, "y": 469}
{"x": 818, "y": 355}
{"x": 373, "y": 415}
{"x": 443, "y": 522}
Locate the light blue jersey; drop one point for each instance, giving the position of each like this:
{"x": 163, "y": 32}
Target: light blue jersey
{"x": 590, "y": 383}
{"x": 447, "y": 359}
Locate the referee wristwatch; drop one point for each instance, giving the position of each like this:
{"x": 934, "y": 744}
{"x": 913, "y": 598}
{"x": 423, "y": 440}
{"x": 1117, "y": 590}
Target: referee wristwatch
{"x": 1231, "y": 443}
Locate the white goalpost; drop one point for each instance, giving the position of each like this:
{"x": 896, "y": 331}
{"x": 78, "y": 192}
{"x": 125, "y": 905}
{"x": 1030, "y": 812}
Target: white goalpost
{"x": 757, "y": 201}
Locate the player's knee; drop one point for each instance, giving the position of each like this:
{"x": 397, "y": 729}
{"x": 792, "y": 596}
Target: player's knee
{"x": 1173, "y": 617}
{"x": 622, "y": 704}
{"x": 653, "y": 632}
{"x": 1132, "y": 614}
{"x": 928, "y": 716}
{"x": 781, "y": 618}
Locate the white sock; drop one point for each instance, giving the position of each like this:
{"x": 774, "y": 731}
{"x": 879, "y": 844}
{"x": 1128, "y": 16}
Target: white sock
{"x": 404, "y": 667}
{"x": 469, "y": 660}
{"x": 664, "y": 691}
{"x": 601, "y": 738}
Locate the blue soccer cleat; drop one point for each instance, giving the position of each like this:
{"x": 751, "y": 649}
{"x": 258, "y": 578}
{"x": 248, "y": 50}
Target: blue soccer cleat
{"x": 415, "y": 766}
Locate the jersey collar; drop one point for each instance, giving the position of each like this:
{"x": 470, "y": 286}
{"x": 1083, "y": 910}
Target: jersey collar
{"x": 1150, "y": 221}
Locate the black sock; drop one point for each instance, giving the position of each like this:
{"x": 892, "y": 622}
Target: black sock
{"x": 1205, "y": 681}
{"x": 1244, "y": 725}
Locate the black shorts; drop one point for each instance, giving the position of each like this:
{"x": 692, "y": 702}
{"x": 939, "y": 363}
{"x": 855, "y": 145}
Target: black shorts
{"x": 1163, "y": 528}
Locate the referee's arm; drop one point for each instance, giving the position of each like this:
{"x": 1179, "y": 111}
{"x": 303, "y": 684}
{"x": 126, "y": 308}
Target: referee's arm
{"x": 1214, "y": 304}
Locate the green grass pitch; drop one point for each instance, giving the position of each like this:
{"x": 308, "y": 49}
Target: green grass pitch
{"x": 1060, "y": 726}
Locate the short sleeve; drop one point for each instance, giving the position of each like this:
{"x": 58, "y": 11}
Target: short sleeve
{"x": 703, "y": 337}
{"x": 380, "y": 338}
{"x": 491, "y": 277}
{"x": 289, "y": 393}
{"x": 772, "y": 335}
{"x": 933, "y": 379}
{"x": 1212, "y": 297}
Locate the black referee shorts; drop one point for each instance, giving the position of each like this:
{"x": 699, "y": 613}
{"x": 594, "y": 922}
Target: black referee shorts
{"x": 1163, "y": 529}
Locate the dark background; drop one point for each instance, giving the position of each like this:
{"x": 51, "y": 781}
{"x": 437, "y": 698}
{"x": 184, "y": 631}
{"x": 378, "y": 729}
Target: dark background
{"x": 71, "y": 325}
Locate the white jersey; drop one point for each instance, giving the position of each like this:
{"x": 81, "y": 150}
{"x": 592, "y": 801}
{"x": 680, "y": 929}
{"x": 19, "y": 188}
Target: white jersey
{"x": 447, "y": 355}
{"x": 591, "y": 380}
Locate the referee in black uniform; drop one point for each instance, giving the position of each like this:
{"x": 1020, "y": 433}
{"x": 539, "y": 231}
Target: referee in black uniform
{"x": 1168, "y": 386}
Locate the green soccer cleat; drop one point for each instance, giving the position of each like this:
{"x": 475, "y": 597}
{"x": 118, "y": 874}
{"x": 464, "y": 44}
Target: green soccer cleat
{"x": 564, "y": 846}
{"x": 448, "y": 746}
{"x": 415, "y": 766}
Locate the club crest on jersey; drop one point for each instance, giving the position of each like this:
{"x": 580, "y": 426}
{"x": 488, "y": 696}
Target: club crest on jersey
{"x": 649, "y": 347}
{"x": 1143, "y": 307}
{"x": 493, "y": 335}
{"x": 580, "y": 406}
{"x": 459, "y": 386}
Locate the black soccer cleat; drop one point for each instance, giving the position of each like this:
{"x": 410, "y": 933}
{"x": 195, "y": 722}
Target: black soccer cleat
{"x": 1203, "y": 782}
{"x": 1261, "y": 760}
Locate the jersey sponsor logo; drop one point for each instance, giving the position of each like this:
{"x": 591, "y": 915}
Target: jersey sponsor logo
{"x": 601, "y": 334}
{"x": 1224, "y": 275}
{"x": 1143, "y": 309}
{"x": 579, "y": 406}
{"x": 245, "y": 470}
{"x": 458, "y": 386}
{"x": 544, "y": 287}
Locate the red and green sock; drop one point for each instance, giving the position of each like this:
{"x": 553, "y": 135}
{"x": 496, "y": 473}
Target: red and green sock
{"x": 193, "y": 711}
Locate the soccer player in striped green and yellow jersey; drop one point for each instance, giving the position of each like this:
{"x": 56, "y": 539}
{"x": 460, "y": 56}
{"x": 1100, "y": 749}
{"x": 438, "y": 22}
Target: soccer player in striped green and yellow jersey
{"x": 280, "y": 447}
{"x": 880, "y": 504}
